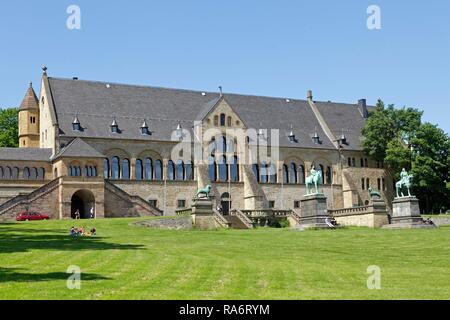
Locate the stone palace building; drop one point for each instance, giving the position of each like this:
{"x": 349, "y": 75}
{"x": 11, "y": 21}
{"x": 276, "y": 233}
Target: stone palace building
{"x": 88, "y": 146}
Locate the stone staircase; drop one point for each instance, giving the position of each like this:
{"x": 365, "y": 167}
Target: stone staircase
{"x": 139, "y": 205}
{"x": 10, "y": 208}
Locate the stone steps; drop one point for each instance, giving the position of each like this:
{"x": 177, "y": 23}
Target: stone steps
{"x": 235, "y": 222}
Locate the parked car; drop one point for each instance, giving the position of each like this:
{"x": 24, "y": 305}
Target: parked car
{"x": 30, "y": 215}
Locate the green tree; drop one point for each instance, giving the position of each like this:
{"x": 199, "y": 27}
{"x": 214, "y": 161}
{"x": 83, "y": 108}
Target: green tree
{"x": 431, "y": 166}
{"x": 9, "y": 127}
{"x": 378, "y": 132}
{"x": 398, "y": 138}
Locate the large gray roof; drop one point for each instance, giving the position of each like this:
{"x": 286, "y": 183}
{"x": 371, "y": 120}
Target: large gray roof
{"x": 77, "y": 148}
{"x": 97, "y": 103}
{"x": 25, "y": 154}
{"x": 343, "y": 118}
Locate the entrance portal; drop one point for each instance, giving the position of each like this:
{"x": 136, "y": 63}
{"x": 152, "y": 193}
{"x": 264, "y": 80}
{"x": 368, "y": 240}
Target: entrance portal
{"x": 83, "y": 205}
{"x": 225, "y": 202}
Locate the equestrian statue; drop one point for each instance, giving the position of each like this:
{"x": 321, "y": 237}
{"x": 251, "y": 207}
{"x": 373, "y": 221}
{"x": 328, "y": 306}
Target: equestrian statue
{"x": 405, "y": 181}
{"x": 314, "y": 179}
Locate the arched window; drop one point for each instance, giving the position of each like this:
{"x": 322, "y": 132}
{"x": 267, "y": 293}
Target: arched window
{"x": 255, "y": 169}
{"x": 26, "y": 173}
{"x": 234, "y": 169}
{"x": 301, "y": 174}
{"x": 264, "y": 172}
{"x": 126, "y": 169}
{"x": 223, "y": 169}
{"x": 41, "y": 173}
{"x": 149, "y": 169}
{"x": 106, "y": 168}
{"x": 329, "y": 176}
{"x": 158, "y": 170}
{"x": 273, "y": 173}
{"x": 323, "y": 173}
{"x": 170, "y": 170}
{"x": 180, "y": 170}
{"x": 285, "y": 174}
{"x": 363, "y": 183}
{"x": 368, "y": 183}
{"x": 7, "y": 173}
{"x": 293, "y": 173}
{"x": 216, "y": 120}
{"x": 222, "y": 119}
{"x": 139, "y": 173}
{"x": 212, "y": 168}
{"x": 189, "y": 171}
{"x": 229, "y": 121}
{"x": 33, "y": 173}
{"x": 115, "y": 168}
{"x": 15, "y": 173}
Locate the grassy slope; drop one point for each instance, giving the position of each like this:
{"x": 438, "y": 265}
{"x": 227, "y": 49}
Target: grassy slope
{"x": 127, "y": 262}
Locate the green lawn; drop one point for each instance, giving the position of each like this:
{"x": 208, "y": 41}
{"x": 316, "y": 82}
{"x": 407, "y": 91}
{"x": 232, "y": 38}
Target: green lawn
{"x": 128, "y": 262}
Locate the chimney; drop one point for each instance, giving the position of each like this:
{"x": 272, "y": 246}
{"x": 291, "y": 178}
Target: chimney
{"x": 309, "y": 95}
{"x": 362, "y": 107}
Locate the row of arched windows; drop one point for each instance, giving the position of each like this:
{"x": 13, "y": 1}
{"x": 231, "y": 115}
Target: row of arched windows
{"x": 7, "y": 173}
{"x": 222, "y": 120}
{"x": 223, "y": 170}
{"x": 148, "y": 169}
{"x": 76, "y": 171}
{"x": 292, "y": 173}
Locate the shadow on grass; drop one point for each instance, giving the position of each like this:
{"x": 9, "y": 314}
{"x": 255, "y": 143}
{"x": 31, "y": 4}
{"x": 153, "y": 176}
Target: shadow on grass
{"x": 14, "y": 239}
{"x": 13, "y": 275}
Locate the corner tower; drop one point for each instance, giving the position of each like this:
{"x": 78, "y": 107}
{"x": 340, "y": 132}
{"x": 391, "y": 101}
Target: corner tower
{"x": 29, "y": 120}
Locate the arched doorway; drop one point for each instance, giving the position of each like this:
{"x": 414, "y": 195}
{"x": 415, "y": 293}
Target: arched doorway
{"x": 83, "y": 204}
{"x": 225, "y": 202}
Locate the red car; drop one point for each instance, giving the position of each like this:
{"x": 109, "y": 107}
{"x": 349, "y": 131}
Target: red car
{"x": 29, "y": 216}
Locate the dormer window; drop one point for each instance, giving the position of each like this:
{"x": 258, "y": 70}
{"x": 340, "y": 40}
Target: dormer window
{"x": 291, "y": 136}
{"x": 76, "y": 126}
{"x": 114, "y": 126}
{"x": 316, "y": 138}
{"x": 343, "y": 139}
{"x": 144, "y": 129}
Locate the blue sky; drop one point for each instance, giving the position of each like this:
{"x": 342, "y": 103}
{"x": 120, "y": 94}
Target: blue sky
{"x": 273, "y": 48}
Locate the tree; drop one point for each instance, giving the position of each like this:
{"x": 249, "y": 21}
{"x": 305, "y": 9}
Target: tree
{"x": 378, "y": 132}
{"x": 9, "y": 127}
{"x": 398, "y": 138}
{"x": 431, "y": 166}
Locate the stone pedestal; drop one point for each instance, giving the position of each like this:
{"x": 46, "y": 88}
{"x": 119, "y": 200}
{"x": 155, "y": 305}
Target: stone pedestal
{"x": 406, "y": 214}
{"x": 203, "y": 214}
{"x": 313, "y": 212}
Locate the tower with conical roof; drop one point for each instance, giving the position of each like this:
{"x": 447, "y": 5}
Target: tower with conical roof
{"x": 29, "y": 120}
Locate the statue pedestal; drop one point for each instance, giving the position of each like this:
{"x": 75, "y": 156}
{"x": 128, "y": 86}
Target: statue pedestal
{"x": 313, "y": 212}
{"x": 203, "y": 214}
{"x": 406, "y": 214}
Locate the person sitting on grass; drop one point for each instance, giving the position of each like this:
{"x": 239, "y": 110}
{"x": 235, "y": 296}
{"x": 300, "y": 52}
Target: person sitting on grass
{"x": 93, "y": 231}
{"x": 73, "y": 232}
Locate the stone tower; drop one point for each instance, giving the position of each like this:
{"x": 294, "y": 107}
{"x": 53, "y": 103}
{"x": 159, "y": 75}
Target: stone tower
{"x": 29, "y": 120}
